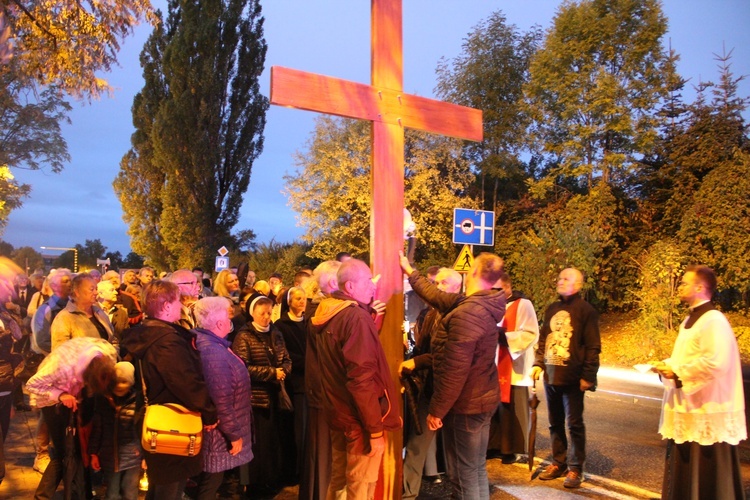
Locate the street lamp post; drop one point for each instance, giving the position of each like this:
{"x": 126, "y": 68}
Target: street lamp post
{"x": 75, "y": 255}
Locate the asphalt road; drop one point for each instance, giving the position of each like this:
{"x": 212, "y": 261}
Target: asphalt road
{"x": 622, "y": 419}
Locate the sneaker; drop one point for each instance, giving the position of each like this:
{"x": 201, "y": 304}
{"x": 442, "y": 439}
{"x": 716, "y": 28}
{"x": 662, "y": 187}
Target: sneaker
{"x": 552, "y": 471}
{"x": 40, "y": 463}
{"x": 573, "y": 479}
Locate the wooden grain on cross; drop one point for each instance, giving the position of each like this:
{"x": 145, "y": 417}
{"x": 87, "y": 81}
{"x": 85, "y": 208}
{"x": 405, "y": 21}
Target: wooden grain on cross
{"x": 390, "y": 110}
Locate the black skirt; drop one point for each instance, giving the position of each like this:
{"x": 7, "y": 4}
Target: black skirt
{"x": 695, "y": 472}
{"x": 510, "y": 423}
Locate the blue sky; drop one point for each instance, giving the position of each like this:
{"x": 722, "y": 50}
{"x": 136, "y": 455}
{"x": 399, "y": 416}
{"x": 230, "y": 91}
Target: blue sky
{"x": 331, "y": 38}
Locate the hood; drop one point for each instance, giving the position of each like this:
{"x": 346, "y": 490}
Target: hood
{"x": 139, "y": 338}
{"x": 330, "y": 307}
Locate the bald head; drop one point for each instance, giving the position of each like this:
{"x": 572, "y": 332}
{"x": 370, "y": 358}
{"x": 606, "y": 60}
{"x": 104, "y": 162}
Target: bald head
{"x": 187, "y": 283}
{"x": 569, "y": 282}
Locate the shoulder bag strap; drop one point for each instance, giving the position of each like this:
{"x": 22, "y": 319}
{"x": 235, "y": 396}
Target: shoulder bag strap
{"x": 143, "y": 383}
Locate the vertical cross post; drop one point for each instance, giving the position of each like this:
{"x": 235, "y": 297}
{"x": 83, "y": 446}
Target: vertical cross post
{"x": 390, "y": 110}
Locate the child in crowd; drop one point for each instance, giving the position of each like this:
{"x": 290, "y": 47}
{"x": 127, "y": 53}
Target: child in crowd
{"x": 114, "y": 443}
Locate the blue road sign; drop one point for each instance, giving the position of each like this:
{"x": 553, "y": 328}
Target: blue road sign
{"x": 221, "y": 263}
{"x": 473, "y": 227}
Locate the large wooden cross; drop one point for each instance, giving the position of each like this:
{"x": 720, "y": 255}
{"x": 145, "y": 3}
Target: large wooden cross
{"x": 390, "y": 110}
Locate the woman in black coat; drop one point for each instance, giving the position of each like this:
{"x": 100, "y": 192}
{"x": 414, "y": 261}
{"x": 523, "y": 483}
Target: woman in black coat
{"x": 292, "y": 325}
{"x": 261, "y": 346}
{"x": 173, "y": 374}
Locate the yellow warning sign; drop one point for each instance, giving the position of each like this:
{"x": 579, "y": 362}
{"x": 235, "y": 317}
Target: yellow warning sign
{"x": 465, "y": 260}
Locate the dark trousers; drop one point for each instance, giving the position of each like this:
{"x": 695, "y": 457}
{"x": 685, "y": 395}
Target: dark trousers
{"x": 565, "y": 402}
{"x": 123, "y": 485}
{"x": 208, "y": 484}
{"x": 317, "y": 457}
{"x": 418, "y": 449}
{"x": 57, "y": 418}
{"x": 5, "y": 403}
{"x": 166, "y": 491}
{"x": 465, "y": 439}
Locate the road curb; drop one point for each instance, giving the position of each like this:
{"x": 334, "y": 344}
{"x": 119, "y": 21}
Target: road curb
{"x": 604, "y": 486}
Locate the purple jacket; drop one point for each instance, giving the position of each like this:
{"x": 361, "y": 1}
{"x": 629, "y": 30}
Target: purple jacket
{"x": 229, "y": 387}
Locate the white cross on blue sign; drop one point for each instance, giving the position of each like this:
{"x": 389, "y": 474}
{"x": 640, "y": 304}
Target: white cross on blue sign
{"x": 473, "y": 227}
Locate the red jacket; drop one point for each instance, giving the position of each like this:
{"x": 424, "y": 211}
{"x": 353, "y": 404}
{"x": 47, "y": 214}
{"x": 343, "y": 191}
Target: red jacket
{"x": 359, "y": 390}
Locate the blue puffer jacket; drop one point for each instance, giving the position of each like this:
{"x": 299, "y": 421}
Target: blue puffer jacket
{"x": 229, "y": 387}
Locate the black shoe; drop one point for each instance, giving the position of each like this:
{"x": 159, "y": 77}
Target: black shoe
{"x": 434, "y": 479}
{"x": 552, "y": 471}
{"x": 23, "y": 407}
{"x": 509, "y": 458}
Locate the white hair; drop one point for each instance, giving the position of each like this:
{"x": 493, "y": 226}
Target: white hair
{"x": 208, "y": 310}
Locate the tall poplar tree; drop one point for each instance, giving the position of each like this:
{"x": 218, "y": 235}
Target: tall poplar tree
{"x": 197, "y": 152}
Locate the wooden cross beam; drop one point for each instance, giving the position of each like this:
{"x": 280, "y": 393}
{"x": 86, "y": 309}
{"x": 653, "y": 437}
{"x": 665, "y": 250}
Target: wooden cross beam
{"x": 390, "y": 110}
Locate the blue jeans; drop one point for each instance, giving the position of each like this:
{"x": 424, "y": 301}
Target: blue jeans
{"x": 125, "y": 482}
{"x": 465, "y": 440}
{"x": 566, "y": 402}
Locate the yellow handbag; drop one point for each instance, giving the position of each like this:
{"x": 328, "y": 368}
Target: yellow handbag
{"x": 170, "y": 428}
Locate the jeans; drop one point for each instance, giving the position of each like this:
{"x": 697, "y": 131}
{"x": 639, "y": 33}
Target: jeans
{"x": 465, "y": 440}
{"x": 566, "y": 402}
{"x": 125, "y": 482}
{"x": 351, "y": 469}
{"x": 42, "y": 436}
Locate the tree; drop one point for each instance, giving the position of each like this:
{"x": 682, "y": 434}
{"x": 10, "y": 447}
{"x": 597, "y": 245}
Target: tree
{"x": 140, "y": 180}
{"x": 709, "y": 135}
{"x": 115, "y": 259}
{"x": 89, "y": 252}
{"x": 28, "y": 259}
{"x": 594, "y": 87}
{"x": 65, "y": 43}
{"x": 196, "y": 154}
{"x": 660, "y": 268}
{"x": 437, "y": 180}
{"x": 716, "y": 226}
{"x": 31, "y": 136}
{"x": 489, "y": 74}
{"x": 330, "y": 190}
{"x": 283, "y": 258}
{"x": 11, "y": 193}
{"x": 47, "y": 50}
{"x": 66, "y": 260}
{"x": 133, "y": 261}
{"x": 6, "y": 249}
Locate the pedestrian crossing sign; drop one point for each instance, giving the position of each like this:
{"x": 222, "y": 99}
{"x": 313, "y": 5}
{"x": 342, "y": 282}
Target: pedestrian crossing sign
{"x": 464, "y": 261}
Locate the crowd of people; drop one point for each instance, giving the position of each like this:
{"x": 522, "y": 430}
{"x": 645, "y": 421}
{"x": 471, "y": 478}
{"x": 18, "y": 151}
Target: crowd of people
{"x": 292, "y": 384}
